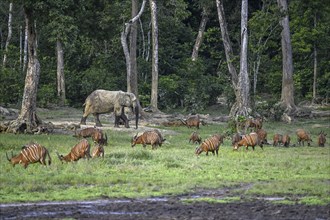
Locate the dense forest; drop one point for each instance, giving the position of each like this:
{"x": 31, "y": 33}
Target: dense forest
{"x": 88, "y": 34}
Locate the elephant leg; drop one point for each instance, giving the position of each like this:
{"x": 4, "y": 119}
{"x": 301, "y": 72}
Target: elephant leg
{"x": 117, "y": 118}
{"x": 83, "y": 120}
{"x": 97, "y": 120}
{"x": 125, "y": 119}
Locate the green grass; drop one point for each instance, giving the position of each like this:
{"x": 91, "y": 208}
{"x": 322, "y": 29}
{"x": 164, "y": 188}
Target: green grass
{"x": 295, "y": 172}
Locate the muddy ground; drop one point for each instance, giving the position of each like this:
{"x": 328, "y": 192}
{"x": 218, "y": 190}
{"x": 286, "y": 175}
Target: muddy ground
{"x": 162, "y": 208}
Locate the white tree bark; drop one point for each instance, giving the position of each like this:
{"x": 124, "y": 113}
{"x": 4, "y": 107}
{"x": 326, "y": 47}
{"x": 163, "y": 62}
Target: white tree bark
{"x": 133, "y": 37}
{"x": 287, "y": 95}
{"x": 27, "y": 120}
{"x": 241, "y": 82}
{"x": 199, "y": 38}
{"x": 10, "y": 18}
{"x": 123, "y": 38}
{"x": 154, "y": 86}
{"x": 243, "y": 99}
{"x": 25, "y": 53}
{"x": 227, "y": 43}
{"x": 60, "y": 73}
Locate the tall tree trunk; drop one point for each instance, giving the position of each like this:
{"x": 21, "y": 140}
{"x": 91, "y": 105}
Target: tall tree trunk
{"x": 227, "y": 44}
{"x": 123, "y": 38}
{"x": 287, "y": 95}
{"x": 27, "y": 119}
{"x": 60, "y": 73}
{"x": 133, "y": 38}
{"x": 154, "y": 25}
{"x": 10, "y": 18}
{"x": 20, "y": 47}
{"x": 199, "y": 38}
{"x": 315, "y": 66}
{"x": 241, "y": 82}
{"x": 243, "y": 98}
{"x": 25, "y": 52}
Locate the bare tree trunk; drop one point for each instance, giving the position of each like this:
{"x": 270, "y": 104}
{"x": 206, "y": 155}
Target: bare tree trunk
{"x": 241, "y": 82}
{"x": 315, "y": 66}
{"x": 227, "y": 44}
{"x": 243, "y": 98}
{"x": 20, "y": 47}
{"x": 133, "y": 38}
{"x": 60, "y": 73}
{"x": 154, "y": 86}
{"x": 25, "y": 58}
{"x": 287, "y": 96}
{"x": 123, "y": 38}
{"x": 199, "y": 38}
{"x": 27, "y": 119}
{"x": 10, "y": 18}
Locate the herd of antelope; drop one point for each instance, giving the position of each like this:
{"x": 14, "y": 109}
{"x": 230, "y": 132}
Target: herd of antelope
{"x": 257, "y": 137}
{"x": 34, "y": 152}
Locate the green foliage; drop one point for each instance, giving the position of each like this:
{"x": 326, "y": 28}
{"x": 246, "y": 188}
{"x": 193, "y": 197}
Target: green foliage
{"x": 46, "y": 96}
{"x": 93, "y": 54}
{"x": 11, "y": 91}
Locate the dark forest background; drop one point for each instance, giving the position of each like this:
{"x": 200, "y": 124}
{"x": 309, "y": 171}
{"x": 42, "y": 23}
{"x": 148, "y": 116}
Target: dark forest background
{"x": 93, "y": 55}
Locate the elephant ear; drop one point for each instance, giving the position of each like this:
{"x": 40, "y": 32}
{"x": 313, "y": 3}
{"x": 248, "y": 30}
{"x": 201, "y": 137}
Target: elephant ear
{"x": 132, "y": 96}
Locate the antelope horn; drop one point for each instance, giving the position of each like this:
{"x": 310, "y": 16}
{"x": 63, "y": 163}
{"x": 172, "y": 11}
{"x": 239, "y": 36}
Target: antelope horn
{"x": 59, "y": 156}
{"x": 135, "y": 136}
{"x": 7, "y": 157}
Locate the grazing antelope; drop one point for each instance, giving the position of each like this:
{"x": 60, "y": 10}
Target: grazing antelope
{"x": 31, "y": 153}
{"x": 192, "y": 121}
{"x": 277, "y": 139}
{"x": 248, "y": 140}
{"x": 147, "y": 138}
{"x": 253, "y": 123}
{"x": 93, "y": 132}
{"x": 210, "y": 144}
{"x": 98, "y": 151}
{"x": 80, "y": 150}
{"x": 236, "y": 138}
{"x": 286, "y": 140}
{"x": 162, "y": 139}
{"x": 195, "y": 138}
{"x": 321, "y": 139}
{"x": 100, "y": 138}
{"x": 262, "y": 136}
{"x": 303, "y": 136}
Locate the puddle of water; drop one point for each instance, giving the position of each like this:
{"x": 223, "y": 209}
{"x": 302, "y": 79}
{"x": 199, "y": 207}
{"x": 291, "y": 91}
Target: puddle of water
{"x": 87, "y": 203}
{"x": 272, "y": 198}
{"x": 155, "y": 199}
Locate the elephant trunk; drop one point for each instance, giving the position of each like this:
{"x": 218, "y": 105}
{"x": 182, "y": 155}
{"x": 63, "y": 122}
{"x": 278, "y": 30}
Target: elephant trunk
{"x": 136, "y": 110}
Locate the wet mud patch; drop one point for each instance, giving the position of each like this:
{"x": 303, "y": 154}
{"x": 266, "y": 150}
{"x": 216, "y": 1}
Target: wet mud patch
{"x": 163, "y": 208}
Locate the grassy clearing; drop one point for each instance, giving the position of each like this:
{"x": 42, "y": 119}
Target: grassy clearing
{"x": 296, "y": 172}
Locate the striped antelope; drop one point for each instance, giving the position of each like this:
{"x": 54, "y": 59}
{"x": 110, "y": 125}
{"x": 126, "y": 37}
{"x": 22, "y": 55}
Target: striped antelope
{"x": 99, "y": 137}
{"x": 194, "y": 137}
{"x": 31, "y": 153}
{"x": 286, "y": 140}
{"x": 147, "y": 138}
{"x": 248, "y": 140}
{"x": 210, "y": 144}
{"x": 80, "y": 150}
{"x": 96, "y": 134}
{"x": 98, "y": 151}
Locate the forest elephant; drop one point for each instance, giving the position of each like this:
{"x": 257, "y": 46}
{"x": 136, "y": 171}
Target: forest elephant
{"x": 103, "y": 101}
